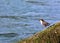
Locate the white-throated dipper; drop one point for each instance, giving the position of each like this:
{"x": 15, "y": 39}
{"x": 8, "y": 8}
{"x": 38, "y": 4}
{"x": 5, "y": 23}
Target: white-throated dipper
{"x": 44, "y": 23}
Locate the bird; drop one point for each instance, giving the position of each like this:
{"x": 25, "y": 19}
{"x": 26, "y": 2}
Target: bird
{"x": 44, "y": 23}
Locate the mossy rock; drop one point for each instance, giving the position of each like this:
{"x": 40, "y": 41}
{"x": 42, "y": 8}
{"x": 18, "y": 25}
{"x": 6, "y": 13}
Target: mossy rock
{"x": 49, "y": 35}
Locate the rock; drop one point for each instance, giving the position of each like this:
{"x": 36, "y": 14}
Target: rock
{"x": 49, "y": 35}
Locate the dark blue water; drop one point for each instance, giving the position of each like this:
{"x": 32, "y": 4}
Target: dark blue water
{"x": 21, "y": 17}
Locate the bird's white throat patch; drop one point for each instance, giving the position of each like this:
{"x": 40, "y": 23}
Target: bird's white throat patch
{"x": 40, "y": 21}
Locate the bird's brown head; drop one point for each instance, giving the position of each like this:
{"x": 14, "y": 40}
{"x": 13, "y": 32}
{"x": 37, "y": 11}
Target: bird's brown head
{"x": 41, "y": 20}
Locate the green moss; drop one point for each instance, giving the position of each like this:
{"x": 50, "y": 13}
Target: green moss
{"x": 49, "y": 35}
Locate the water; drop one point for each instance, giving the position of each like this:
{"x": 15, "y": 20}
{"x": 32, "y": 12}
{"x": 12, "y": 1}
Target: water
{"x": 21, "y": 17}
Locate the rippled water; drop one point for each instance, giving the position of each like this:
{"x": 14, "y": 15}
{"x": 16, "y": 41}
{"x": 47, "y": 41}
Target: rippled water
{"x": 20, "y": 18}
